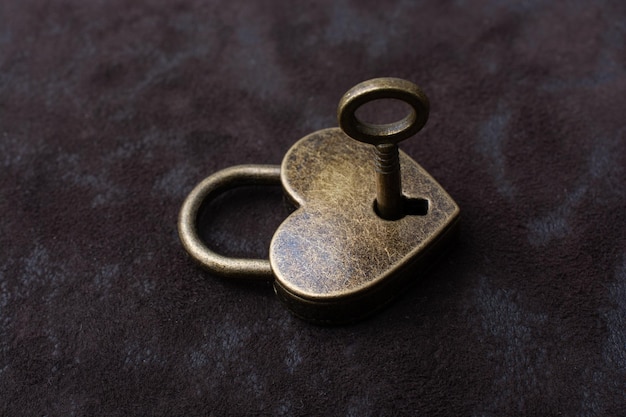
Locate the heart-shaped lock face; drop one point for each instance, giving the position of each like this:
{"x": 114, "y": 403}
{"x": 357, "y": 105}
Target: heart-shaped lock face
{"x": 334, "y": 258}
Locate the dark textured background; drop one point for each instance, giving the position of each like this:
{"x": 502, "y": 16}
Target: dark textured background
{"x": 111, "y": 111}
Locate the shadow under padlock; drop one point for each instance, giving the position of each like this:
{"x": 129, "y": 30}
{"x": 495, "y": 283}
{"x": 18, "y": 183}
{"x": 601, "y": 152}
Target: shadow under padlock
{"x": 368, "y": 220}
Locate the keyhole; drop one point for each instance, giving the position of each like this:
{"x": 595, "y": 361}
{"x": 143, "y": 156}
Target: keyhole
{"x": 410, "y": 207}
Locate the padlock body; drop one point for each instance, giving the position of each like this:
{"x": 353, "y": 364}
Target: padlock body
{"x": 334, "y": 259}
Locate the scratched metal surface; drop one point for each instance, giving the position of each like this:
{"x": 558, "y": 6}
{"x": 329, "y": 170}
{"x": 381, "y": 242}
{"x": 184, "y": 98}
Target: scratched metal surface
{"x": 110, "y": 112}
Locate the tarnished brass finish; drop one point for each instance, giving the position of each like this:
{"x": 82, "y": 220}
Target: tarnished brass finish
{"x": 353, "y": 243}
{"x": 203, "y": 193}
{"x": 334, "y": 258}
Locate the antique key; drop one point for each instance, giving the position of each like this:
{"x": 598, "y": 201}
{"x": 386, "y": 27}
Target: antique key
{"x": 368, "y": 220}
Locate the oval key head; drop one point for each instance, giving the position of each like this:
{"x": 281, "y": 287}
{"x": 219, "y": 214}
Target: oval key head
{"x": 335, "y": 259}
{"x": 383, "y": 88}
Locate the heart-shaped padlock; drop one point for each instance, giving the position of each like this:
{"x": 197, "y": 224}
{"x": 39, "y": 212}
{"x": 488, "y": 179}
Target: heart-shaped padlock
{"x": 363, "y": 229}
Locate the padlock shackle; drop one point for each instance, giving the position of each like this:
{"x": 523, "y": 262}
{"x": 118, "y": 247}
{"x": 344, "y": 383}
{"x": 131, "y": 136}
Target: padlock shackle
{"x": 207, "y": 190}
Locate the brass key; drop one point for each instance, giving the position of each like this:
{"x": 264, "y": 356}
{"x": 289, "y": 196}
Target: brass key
{"x": 389, "y": 200}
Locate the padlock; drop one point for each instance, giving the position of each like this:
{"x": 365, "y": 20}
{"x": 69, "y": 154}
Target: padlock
{"x": 368, "y": 220}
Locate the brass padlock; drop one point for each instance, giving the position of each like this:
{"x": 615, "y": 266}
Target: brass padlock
{"x": 363, "y": 228}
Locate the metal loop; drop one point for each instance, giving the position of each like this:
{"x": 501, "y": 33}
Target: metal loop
{"x": 381, "y": 88}
{"x": 208, "y": 189}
